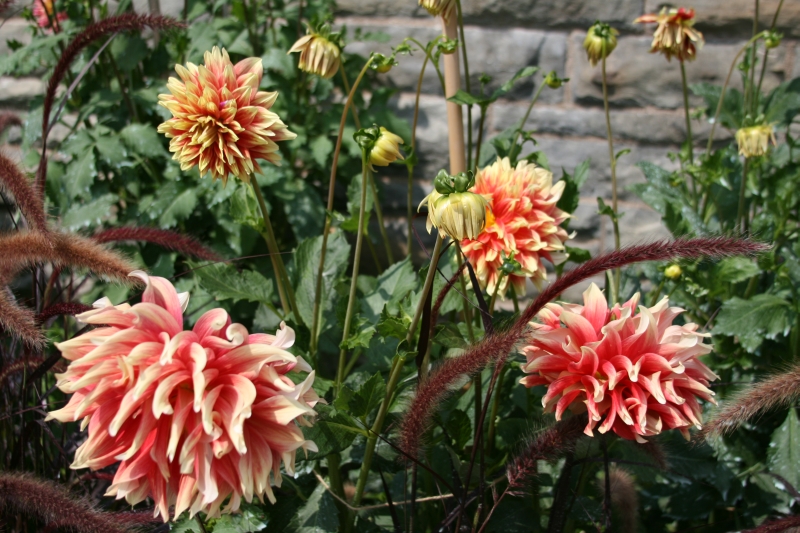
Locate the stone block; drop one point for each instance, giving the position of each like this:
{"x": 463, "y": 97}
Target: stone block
{"x": 547, "y": 14}
{"x": 735, "y": 17}
{"x": 487, "y": 51}
{"x": 637, "y": 78}
{"x": 16, "y": 92}
{"x": 795, "y": 60}
{"x": 14, "y": 29}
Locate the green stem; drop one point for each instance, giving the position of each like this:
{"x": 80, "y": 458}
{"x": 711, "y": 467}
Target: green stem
{"x": 689, "y": 138}
{"x": 467, "y": 311}
{"x": 334, "y": 461}
{"x": 617, "y": 273}
{"x": 495, "y": 409}
{"x": 740, "y": 213}
{"x": 379, "y": 215}
{"x": 351, "y": 302}
{"x": 480, "y": 138}
{"x": 524, "y": 120}
{"x": 410, "y": 207}
{"x": 327, "y": 227}
{"x": 752, "y": 87}
{"x": 272, "y": 247}
{"x": 766, "y": 51}
{"x": 466, "y": 79}
{"x": 427, "y": 50}
{"x": 426, "y": 287}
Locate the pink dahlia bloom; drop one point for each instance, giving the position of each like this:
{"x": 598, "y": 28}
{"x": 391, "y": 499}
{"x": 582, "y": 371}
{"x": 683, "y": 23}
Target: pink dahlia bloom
{"x": 221, "y": 121}
{"x": 636, "y": 372}
{"x": 44, "y": 12}
{"x": 521, "y": 219}
{"x": 194, "y": 418}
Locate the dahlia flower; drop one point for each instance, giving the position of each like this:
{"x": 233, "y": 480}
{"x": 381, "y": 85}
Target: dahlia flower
{"x": 521, "y": 220}
{"x": 386, "y": 149}
{"x": 193, "y": 417}
{"x": 637, "y": 372}
{"x": 319, "y": 53}
{"x": 221, "y": 122}
{"x": 46, "y": 17}
{"x": 452, "y": 209}
{"x": 601, "y": 39}
{"x": 754, "y": 140}
{"x": 675, "y": 34}
{"x": 445, "y": 8}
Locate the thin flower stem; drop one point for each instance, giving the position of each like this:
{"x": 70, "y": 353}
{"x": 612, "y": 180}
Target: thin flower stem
{"x": 427, "y": 50}
{"x": 480, "y": 138}
{"x": 466, "y": 81}
{"x": 329, "y": 212}
{"x": 493, "y": 415}
{"x": 740, "y": 213}
{"x": 689, "y": 138}
{"x": 410, "y": 207}
{"x": 751, "y": 89}
{"x": 617, "y": 272}
{"x": 426, "y": 287}
{"x": 271, "y": 247}
{"x": 467, "y": 310}
{"x": 351, "y": 302}
{"x": 766, "y": 51}
{"x": 524, "y": 120}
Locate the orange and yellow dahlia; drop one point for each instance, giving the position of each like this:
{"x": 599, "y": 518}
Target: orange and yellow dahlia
{"x": 195, "y": 418}
{"x": 221, "y": 122}
{"x": 638, "y": 373}
{"x": 675, "y": 34}
{"x": 521, "y": 220}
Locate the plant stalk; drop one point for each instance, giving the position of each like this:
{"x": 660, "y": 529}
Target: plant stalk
{"x": 410, "y": 207}
{"x": 524, "y": 120}
{"x": 617, "y": 272}
{"x": 689, "y": 137}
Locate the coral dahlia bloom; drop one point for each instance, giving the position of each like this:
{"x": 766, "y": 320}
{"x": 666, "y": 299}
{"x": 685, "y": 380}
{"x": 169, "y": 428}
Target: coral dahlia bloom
{"x": 195, "y": 417}
{"x": 221, "y": 122}
{"x": 521, "y": 219}
{"x": 754, "y": 141}
{"x": 46, "y": 17}
{"x": 675, "y": 34}
{"x": 636, "y": 372}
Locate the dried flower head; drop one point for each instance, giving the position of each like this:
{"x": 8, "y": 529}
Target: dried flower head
{"x": 453, "y": 209}
{"x": 675, "y": 34}
{"x": 196, "y": 417}
{"x": 637, "y": 372}
{"x": 320, "y": 52}
{"x": 522, "y": 221}
{"x": 221, "y": 122}
{"x": 46, "y": 17}
{"x": 445, "y": 8}
{"x": 601, "y": 39}
{"x": 754, "y": 141}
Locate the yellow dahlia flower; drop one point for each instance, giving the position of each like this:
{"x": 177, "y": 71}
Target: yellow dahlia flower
{"x": 445, "y": 8}
{"x": 320, "y": 52}
{"x": 221, "y": 122}
{"x": 675, "y": 34}
{"x": 522, "y": 221}
{"x": 754, "y": 140}
{"x": 601, "y": 39}
{"x": 453, "y": 209}
{"x": 386, "y": 149}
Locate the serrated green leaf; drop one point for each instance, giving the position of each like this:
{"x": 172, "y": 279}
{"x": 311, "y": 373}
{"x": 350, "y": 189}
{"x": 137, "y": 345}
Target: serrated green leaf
{"x": 524, "y": 72}
{"x": 392, "y": 326}
{"x": 321, "y": 147}
{"x": 249, "y": 519}
{"x": 143, "y": 140}
{"x": 368, "y": 396}
{"x": 306, "y": 267}
{"x": 80, "y": 175}
{"x": 784, "y": 450}
{"x": 392, "y": 286}
{"x": 175, "y": 208}
{"x": 459, "y": 428}
{"x": 90, "y": 214}
{"x": 224, "y": 282}
{"x": 735, "y": 269}
{"x": 318, "y": 515}
{"x": 762, "y": 316}
{"x": 184, "y": 524}
{"x": 244, "y": 209}
{"x": 332, "y": 432}
{"x": 572, "y": 186}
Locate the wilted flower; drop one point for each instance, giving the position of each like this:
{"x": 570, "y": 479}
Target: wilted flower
{"x": 45, "y": 14}
{"x": 445, "y": 8}
{"x": 221, "y": 121}
{"x": 386, "y": 148}
{"x": 453, "y": 209}
{"x": 675, "y": 34}
{"x": 601, "y": 39}
{"x": 196, "y": 417}
{"x": 673, "y": 271}
{"x": 638, "y": 373}
{"x": 754, "y": 140}
{"x": 320, "y": 52}
{"x": 521, "y": 220}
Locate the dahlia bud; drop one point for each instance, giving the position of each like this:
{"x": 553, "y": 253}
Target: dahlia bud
{"x": 382, "y": 146}
{"x": 673, "y": 272}
{"x": 553, "y": 81}
{"x": 382, "y": 64}
{"x": 320, "y": 52}
{"x": 601, "y": 39}
{"x": 445, "y": 8}
{"x": 754, "y": 140}
{"x": 447, "y": 46}
{"x": 772, "y": 39}
{"x": 453, "y": 209}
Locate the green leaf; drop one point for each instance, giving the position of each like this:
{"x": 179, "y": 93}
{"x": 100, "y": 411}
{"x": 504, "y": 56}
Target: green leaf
{"x": 332, "y": 432}
{"x": 507, "y": 86}
{"x": 368, "y": 396}
{"x": 173, "y": 208}
{"x": 225, "y": 283}
{"x": 306, "y": 266}
{"x": 392, "y": 286}
{"x": 731, "y": 113}
{"x": 80, "y": 175}
{"x": 464, "y": 98}
{"x": 783, "y": 103}
{"x": 249, "y": 519}
{"x": 621, "y": 153}
{"x": 393, "y": 326}
{"x": 90, "y": 214}
{"x": 784, "y": 450}
{"x": 143, "y": 140}
{"x": 321, "y": 147}
{"x": 244, "y": 209}
{"x": 459, "y": 428}
{"x": 353, "y": 205}
{"x": 318, "y": 515}
{"x": 762, "y": 316}
{"x": 578, "y": 255}
{"x": 572, "y": 186}
{"x": 735, "y": 269}
{"x": 361, "y": 337}
{"x": 184, "y": 524}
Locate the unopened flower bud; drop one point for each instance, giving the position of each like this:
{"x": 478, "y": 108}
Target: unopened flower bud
{"x": 445, "y": 8}
{"x": 320, "y": 52}
{"x": 601, "y": 39}
{"x": 386, "y": 148}
{"x": 382, "y": 64}
{"x": 447, "y": 46}
{"x": 754, "y": 140}
{"x": 453, "y": 209}
{"x": 772, "y": 39}
{"x": 553, "y": 81}
{"x": 673, "y": 271}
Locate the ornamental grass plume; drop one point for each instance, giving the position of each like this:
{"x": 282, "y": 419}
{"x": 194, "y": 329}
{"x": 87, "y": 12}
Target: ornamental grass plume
{"x": 522, "y": 221}
{"x": 675, "y": 34}
{"x": 45, "y": 15}
{"x": 196, "y": 417}
{"x": 601, "y": 39}
{"x": 637, "y": 372}
{"x": 754, "y": 141}
{"x": 320, "y": 52}
{"x": 221, "y": 122}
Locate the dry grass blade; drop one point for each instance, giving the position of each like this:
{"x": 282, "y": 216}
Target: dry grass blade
{"x": 170, "y": 240}
{"x": 776, "y": 391}
{"x": 27, "y": 198}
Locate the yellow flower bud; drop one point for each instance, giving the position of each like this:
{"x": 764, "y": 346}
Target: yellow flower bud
{"x": 459, "y": 215}
{"x": 673, "y": 271}
{"x": 601, "y": 39}
{"x": 445, "y": 8}
{"x": 754, "y": 140}
{"x": 318, "y": 54}
{"x": 386, "y": 149}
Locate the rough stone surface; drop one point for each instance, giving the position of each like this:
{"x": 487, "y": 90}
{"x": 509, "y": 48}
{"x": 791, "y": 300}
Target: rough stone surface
{"x": 719, "y": 17}
{"x": 16, "y": 92}
{"x": 531, "y": 47}
{"x": 637, "y": 78}
{"x": 14, "y": 29}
